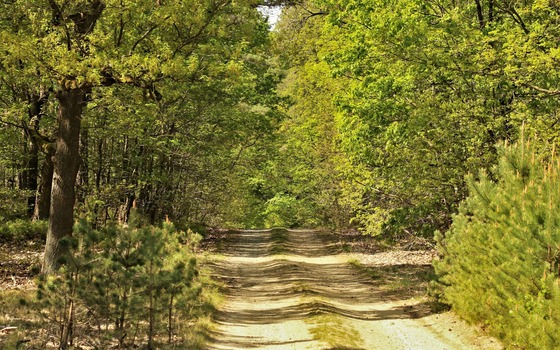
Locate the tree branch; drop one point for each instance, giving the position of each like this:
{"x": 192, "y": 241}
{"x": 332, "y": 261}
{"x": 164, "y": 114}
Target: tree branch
{"x": 84, "y": 22}
{"x": 144, "y": 36}
{"x": 58, "y": 19}
{"x": 479, "y": 14}
{"x": 546, "y": 91}
{"x": 313, "y": 14}
{"x": 519, "y": 20}
{"x": 198, "y": 36}
{"x": 7, "y": 123}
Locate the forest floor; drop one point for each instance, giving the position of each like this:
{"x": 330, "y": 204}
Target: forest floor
{"x": 304, "y": 290}
{"x": 19, "y": 264}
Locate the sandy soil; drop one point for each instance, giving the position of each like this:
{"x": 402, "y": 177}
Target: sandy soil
{"x": 296, "y": 290}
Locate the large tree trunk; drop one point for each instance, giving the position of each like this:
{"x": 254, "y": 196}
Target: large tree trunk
{"x": 66, "y": 162}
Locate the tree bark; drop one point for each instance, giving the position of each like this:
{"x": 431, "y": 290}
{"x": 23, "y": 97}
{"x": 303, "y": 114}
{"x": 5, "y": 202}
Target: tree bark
{"x": 479, "y": 14}
{"x": 66, "y": 162}
{"x": 30, "y": 173}
{"x": 43, "y": 206}
{"x": 33, "y": 139}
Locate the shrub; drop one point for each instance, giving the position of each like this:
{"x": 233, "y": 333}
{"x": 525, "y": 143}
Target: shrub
{"x": 123, "y": 284}
{"x": 23, "y": 230}
{"x": 501, "y": 258}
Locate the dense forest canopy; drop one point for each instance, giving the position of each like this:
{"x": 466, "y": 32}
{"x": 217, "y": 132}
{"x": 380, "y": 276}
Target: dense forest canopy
{"x": 320, "y": 122}
{"x": 345, "y": 115}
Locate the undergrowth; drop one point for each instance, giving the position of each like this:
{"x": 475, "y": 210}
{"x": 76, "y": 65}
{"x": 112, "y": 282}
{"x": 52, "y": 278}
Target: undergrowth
{"x": 121, "y": 287}
{"x": 20, "y": 230}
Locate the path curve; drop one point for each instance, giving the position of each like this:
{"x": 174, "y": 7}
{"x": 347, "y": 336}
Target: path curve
{"x": 294, "y": 290}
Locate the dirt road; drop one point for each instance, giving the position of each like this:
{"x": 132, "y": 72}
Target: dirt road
{"x": 295, "y": 290}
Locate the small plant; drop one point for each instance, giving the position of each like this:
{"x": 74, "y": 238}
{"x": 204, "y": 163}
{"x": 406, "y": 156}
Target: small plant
{"x": 126, "y": 285}
{"x": 331, "y": 329}
{"x": 501, "y": 258}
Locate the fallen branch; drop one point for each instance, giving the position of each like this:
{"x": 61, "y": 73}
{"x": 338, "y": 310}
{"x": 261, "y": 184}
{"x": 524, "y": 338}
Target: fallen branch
{"x": 7, "y": 330}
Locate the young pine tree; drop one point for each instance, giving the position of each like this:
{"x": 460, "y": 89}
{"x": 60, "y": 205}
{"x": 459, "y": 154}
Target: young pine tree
{"x": 501, "y": 258}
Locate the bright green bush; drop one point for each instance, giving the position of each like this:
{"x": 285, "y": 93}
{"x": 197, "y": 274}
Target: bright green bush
{"x": 500, "y": 261}
{"x": 126, "y": 285}
{"x": 284, "y": 210}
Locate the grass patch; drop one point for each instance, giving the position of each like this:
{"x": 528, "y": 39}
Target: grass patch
{"x": 346, "y": 248}
{"x": 400, "y": 284}
{"x": 278, "y": 237}
{"x": 18, "y": 313}
{"x": 407, "y": 279}
{"x": 302, "y": 287}
{"x": 410, "y": 280}
{"x": 277, "y": 249}
{"x": 314, "y": 299}
{"x": 372, "y": 273}
{"x": 330, "y": 329}
{"x": 197, "y": 329}
{"x": 198, "y": 333}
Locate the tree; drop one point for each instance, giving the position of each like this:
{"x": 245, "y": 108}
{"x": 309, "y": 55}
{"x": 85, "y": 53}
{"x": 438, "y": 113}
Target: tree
{"x": 79, "y": 49}
{"x": 307, "y": 172}
{"x": 432, "y": 87}
{"x": 500, "y": 259}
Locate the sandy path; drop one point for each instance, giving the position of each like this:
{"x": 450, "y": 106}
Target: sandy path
{"x": 291, "y": 290}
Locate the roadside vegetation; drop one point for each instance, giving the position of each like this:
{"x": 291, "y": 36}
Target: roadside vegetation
{"x": 501, "y": 258}
{"x": 122, "y": 287}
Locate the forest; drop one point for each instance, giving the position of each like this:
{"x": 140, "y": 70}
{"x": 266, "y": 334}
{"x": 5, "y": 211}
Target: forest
{"x": 131, "y": 130}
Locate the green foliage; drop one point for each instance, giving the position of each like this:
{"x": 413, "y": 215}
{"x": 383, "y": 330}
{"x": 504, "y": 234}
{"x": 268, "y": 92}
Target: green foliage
{"x": 12, "y": 203}
{"x": 132, "y": 284}
{"x": 178, "y": 93}
{"x": 415, "y": 95}
{"x": 500, "y": 264}
{"x": 286, "y": 211}
{"x": 300, "y": 182}
{"x": 23, "y": 230}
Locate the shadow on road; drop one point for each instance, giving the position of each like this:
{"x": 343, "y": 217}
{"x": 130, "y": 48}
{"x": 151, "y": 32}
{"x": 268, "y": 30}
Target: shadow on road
{"x": 278, "y": 276}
